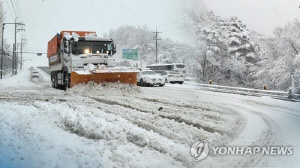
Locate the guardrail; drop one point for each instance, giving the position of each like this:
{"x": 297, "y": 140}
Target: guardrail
{"x": 45, "y": 73}
{"x": 239, "y": 90}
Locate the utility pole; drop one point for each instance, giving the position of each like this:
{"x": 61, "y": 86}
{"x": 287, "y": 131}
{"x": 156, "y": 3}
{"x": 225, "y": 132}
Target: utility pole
{"x": 15, "y": 60}
{"x": 14, "y": 72}
{"x": 21, "y": 65}
{"x": 2, "y": 55}
{"x": 23, "y": 42}
{"x": 156, "y": 45}
{"x": 2, "y": 52}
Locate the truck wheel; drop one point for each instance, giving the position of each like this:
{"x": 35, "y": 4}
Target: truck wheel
{"x": 66, "y": 81}
{"x": 53, "y": 81}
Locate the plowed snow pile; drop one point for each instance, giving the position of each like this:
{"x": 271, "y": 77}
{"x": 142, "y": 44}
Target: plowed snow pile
{"x": 104, "y": 88}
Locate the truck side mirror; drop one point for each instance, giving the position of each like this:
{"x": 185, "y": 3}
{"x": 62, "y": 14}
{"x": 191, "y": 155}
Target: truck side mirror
{"x": 67, "y": 50}
{"x": 66, "y": 44}
{"x": 114, "y": 49}
{"x": 66, "y": 47}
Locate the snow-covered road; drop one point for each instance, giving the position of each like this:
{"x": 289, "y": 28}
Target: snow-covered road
{"x": 121, "y": 126}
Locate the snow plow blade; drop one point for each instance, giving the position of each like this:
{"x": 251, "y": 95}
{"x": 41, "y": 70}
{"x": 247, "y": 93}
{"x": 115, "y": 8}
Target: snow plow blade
{"x": 104, "y": 76}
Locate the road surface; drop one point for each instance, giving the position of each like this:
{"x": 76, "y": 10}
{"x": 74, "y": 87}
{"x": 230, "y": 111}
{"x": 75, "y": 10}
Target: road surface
{"x": 116, "y": 125}
{"x": 45, "y": 69}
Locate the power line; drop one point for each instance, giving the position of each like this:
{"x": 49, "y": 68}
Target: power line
{"x": 9, "y": 9}
{"x": 13, "y": 6}
{"x": 2, "y": 18}
{"x": 17, "y": 2}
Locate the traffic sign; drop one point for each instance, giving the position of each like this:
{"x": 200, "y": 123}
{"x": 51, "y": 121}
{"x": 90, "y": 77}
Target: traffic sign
{"x": 131, "y": 54}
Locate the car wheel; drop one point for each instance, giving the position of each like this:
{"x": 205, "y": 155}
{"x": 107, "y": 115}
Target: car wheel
{"x": 161, "y": 85}
{"x": 180, "y": 83}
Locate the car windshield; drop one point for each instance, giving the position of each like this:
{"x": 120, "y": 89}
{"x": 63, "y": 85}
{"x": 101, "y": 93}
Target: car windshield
{"x": 148, "y": 73}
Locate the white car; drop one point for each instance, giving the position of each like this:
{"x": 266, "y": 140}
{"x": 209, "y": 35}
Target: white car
{"x": 172, "y": 77}
{"x": 35, "y": 74}
{"x": 149, "y": 78}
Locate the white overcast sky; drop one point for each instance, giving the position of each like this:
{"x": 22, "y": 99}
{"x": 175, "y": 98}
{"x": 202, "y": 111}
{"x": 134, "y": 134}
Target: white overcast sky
{"x": 45, "y": 18}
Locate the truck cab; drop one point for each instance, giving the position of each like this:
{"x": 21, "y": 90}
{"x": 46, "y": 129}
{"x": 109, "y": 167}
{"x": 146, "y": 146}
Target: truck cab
{"x": 77, "y": 50}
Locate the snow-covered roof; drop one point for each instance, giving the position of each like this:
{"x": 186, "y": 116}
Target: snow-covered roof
{"x": 88, "y": 37}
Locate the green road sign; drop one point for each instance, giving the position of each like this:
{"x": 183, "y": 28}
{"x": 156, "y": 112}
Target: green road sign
{"x": 131, "y": 54}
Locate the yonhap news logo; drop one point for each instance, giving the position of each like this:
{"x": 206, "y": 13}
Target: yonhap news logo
{"x": 200, "y": 150}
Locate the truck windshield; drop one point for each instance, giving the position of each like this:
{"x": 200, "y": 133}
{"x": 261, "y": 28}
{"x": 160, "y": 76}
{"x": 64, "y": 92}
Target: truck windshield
{"x": 93, "y": 47}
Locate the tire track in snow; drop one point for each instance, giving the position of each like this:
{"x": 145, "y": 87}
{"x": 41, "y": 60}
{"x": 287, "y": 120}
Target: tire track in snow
{"x": 159, "y": 116}
{"x": 152, "y": 122}
{"x": 265, "y": 139}
{"x": 88, "y": 124}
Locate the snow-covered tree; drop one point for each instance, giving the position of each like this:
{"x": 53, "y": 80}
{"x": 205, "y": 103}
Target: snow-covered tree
{"x": 230, "y": 51}
{"x": 279, "y": 66}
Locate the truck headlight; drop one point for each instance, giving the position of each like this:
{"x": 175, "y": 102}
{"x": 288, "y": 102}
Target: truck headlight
{"x": 86, "y": 51}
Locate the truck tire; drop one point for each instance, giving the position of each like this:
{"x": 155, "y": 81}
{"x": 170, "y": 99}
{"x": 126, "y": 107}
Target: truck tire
{"x": 66, "y": 81}
{"x": 52, "y": 81}
{"x": 56, "y": 82}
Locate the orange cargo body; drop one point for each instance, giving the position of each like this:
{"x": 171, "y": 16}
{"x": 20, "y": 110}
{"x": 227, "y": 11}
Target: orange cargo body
{"x": 52, "y": 46}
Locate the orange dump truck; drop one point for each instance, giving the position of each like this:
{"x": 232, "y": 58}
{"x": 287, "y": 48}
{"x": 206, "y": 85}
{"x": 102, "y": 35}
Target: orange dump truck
{"x": 81, "y": 57}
